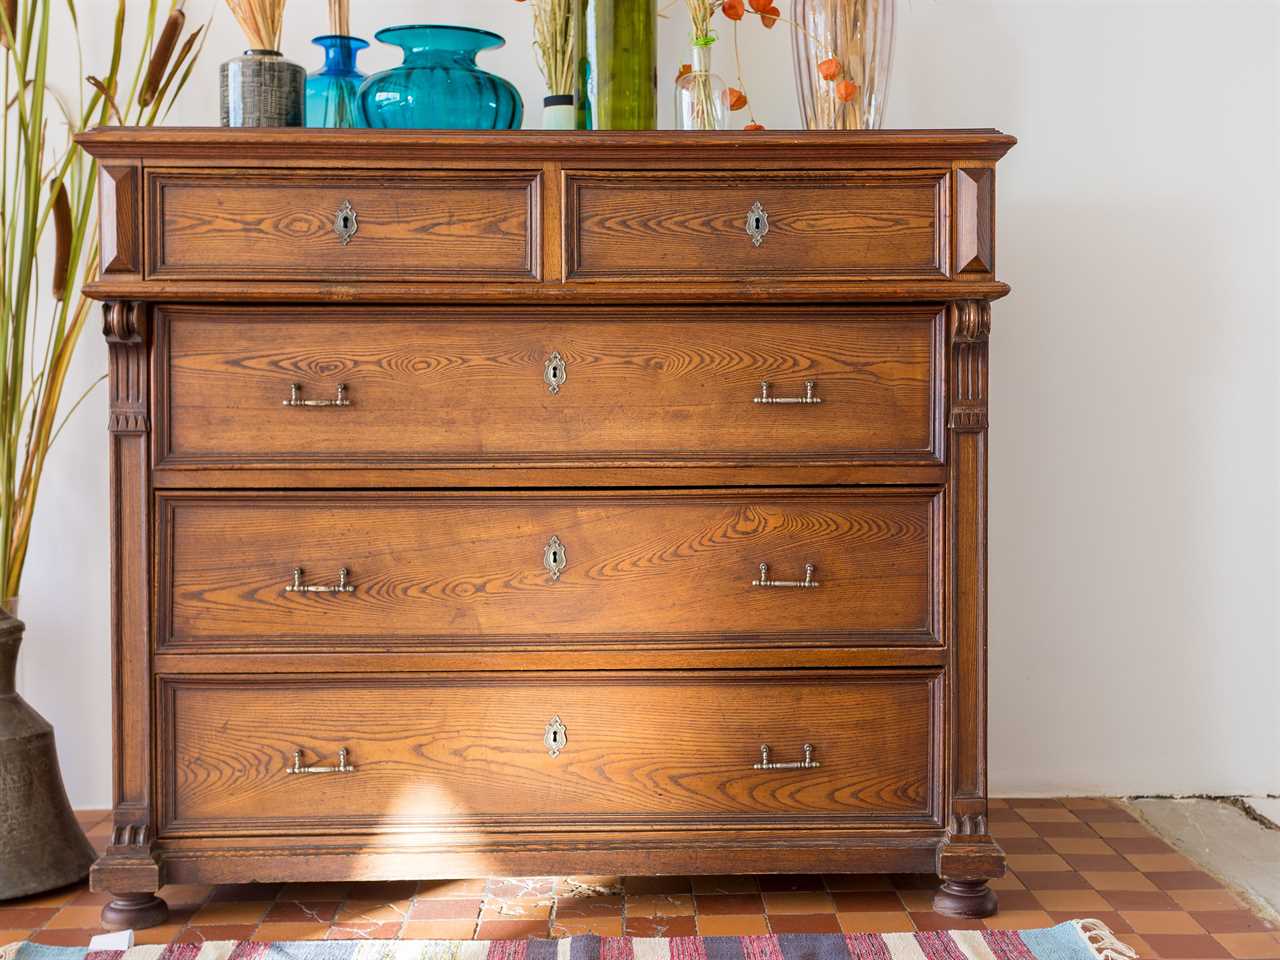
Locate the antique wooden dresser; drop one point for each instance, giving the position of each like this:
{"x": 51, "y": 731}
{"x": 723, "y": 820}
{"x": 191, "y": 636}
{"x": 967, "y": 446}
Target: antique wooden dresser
{"x": 547, "y": 503}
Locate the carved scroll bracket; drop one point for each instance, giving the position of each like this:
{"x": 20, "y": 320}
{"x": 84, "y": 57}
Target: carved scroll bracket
{"x": 125, "y": 327}
{"x": 970, "y": 332}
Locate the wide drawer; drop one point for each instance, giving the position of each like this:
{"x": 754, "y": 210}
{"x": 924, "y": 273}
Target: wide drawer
{"x": 342, "y": 388}
{"x": 548, "y": 751}
{"x": 824, "y": 225}
{"x": 302, "y": 226}
{"x": 555, "y": 569}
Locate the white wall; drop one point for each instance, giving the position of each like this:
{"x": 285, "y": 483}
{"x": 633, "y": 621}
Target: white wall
{"x": 1135, "y": 555}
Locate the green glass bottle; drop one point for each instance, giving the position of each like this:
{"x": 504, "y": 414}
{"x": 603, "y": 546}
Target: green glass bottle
{"x": 619, "y": 69}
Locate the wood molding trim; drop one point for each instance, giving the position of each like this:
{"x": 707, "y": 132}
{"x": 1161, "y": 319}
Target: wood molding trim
{"x": 128, "y": 865}
{"x": 120, "y": 206}
{"x": 969, "y": 855}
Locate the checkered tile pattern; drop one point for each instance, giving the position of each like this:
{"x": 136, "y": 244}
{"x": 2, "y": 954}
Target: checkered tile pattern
{"x": 1067, "y": 858}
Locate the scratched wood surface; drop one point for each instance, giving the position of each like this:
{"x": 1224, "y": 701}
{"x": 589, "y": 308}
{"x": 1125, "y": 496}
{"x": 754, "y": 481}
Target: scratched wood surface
{"x": 472, "y": 567}
{"x": 262, "y": 227}
{"x": 638, "y": 747}
{"x": 684, "y": 225}
{"x": 432, "y": 388}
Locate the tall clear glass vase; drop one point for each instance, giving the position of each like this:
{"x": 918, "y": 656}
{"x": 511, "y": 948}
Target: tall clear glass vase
{"x": 843, "y": 56}
{"x": 702, "y": 98}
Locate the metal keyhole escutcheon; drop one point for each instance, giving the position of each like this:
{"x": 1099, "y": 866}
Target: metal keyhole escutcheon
{"x": 553, "y": 558}
{"x": 555, "y": 736}
{"x": 554, "y": 372}
{"x": 345, "y": 224}
{"x": 757, "y": 223}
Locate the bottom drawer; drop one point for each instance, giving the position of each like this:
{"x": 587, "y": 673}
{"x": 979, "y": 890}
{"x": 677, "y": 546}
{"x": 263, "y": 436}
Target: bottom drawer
{"x": 538, "y": 751}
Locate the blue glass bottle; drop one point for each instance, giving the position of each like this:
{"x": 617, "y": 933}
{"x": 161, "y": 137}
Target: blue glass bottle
{"x": 333, "y": 91}
{"x": 439, "y": 86}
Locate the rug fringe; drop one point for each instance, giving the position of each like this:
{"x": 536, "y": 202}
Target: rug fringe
{"x": 9, "y": 951}
{"x": 1104, "y": 944}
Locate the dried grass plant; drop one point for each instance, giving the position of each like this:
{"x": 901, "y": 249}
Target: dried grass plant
{"x": 48, "y": 187}
{"x": 261, "y": 20}
{"x": 555, "y": 42}
{"x": 340, "y": 17}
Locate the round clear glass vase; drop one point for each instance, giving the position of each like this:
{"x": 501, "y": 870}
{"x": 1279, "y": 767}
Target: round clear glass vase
{"x": 702, "y": 98}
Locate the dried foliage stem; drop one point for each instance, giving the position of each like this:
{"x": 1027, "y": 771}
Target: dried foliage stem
{"x": 261, "y": 20}
{"x": 49, "y": 184}
{"x": 554, "y": 39}
{"x": 340, "y": 17}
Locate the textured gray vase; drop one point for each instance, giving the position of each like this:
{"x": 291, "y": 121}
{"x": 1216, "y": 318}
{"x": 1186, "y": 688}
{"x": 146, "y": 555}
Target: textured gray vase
{"x": 263, "y": 89}
{"x": 41, "y": 845}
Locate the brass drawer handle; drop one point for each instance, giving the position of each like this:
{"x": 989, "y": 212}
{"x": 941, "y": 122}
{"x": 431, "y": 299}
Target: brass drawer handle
{"x": 808, "y": 763}
{"x": 810, "y": 386}
{"x": 295, "y": 398}
{"x": 342, "y": 767}
{"x": 806, "y": 584}
{"x": 340, "y": 587}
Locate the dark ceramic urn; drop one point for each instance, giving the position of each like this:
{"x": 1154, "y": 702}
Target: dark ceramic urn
{"x": 41, "y": 844}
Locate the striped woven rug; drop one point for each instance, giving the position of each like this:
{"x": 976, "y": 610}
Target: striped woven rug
{"x": 1075, "y": 940}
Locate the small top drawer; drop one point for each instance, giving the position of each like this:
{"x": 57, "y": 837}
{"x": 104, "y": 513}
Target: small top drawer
{"x": 407, "y": 226}
{"x": 827, "y": 225}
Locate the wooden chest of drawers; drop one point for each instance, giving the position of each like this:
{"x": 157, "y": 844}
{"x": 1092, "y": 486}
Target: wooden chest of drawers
{"x": 543, "y": 503}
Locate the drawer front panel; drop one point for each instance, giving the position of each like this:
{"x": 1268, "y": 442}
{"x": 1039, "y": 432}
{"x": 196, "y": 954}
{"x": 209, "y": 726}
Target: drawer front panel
{"x": 645, "y": 749}
{"x": 484, "y": 569}
{"x": 481, "y": 226}
{"x": 490, "y": 391}
{"x": 821, "y": 226}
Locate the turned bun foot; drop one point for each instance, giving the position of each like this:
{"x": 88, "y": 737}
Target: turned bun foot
{"x": 971, "y": 899}
{"x": 134, "y": 911}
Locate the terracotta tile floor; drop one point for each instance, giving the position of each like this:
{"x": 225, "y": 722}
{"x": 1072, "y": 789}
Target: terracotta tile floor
{"x": 1067, "y": 859}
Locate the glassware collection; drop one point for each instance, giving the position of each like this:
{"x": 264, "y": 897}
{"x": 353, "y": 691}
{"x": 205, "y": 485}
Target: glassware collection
{"x": 598, "y": 59}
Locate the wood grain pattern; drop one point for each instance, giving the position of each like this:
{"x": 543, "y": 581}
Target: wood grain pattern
{"x": 693, "y": 226}
{"x": 470, "y": 751}
{"x": 469, "y": 568}
{"x": 426, "y": 388}
{"x": 481, "y": 227}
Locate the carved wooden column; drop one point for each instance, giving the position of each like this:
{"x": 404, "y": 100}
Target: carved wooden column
{"x": 128, "y": 870}
{"x": 969, "y": 858}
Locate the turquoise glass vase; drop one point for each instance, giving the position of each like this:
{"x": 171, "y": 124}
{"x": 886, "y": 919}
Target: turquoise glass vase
{"x": 333, "y": 91}
{"x": 439, "y": 86}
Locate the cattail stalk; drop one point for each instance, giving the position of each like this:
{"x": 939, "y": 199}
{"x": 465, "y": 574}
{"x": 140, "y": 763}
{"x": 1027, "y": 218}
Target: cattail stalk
{"x": 62, "y": 240}
{"x": 9, "y": 10}
{"x": 163, "y": 54}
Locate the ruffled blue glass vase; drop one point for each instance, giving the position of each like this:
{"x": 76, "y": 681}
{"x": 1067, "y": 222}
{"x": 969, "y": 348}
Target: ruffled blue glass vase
{"x": 333, "y": 91}
{"x": 439, "y": 86}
